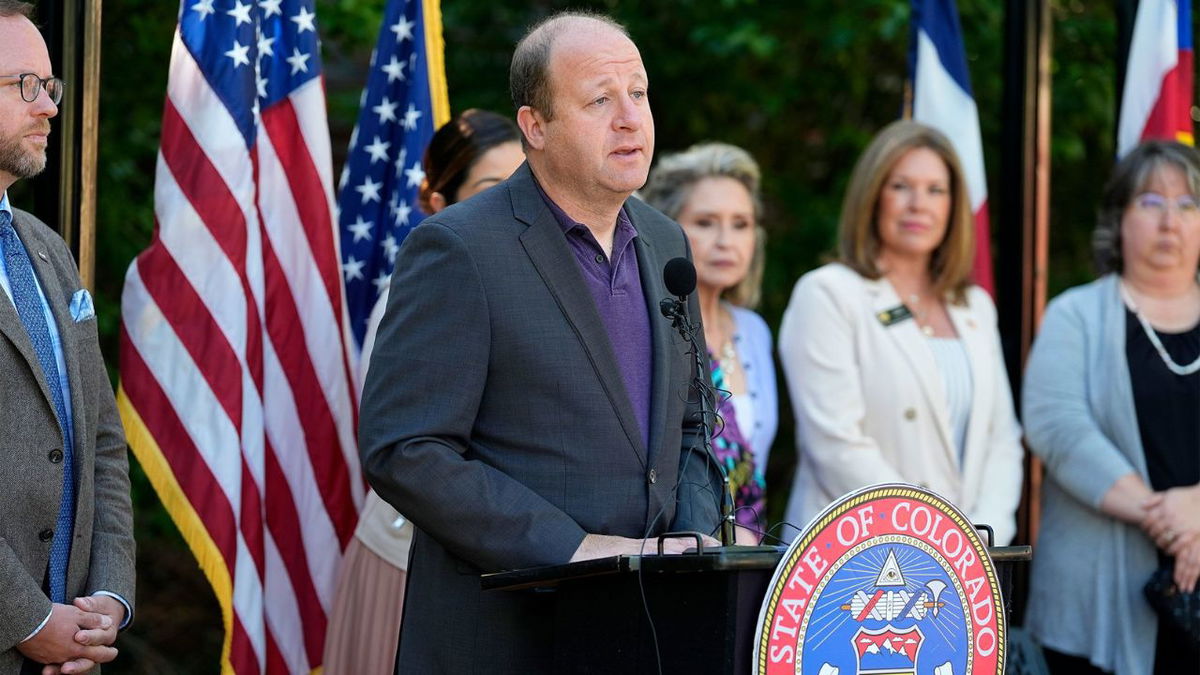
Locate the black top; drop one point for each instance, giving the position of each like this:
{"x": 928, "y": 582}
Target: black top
{"x": 1167, "y": 405}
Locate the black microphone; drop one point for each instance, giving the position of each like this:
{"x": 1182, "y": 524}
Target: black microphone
{"x": 679, "y": 276}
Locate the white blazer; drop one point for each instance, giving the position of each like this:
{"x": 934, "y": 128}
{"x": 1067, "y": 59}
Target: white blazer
{"x": 871, "y": 408}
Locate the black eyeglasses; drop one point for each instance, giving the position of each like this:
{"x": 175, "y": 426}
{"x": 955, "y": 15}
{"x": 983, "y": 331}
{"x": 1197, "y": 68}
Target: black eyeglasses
{"x": 32, "y": 85}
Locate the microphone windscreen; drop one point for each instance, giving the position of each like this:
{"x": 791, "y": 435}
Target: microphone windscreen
{"x": 680, "y": 277}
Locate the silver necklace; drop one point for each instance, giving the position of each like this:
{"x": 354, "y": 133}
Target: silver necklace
{"x": 728, "y": 355}
{"x": 919, "y": 314}
{"x": 1152, "y": 335}
{"x": 722, "y": 348}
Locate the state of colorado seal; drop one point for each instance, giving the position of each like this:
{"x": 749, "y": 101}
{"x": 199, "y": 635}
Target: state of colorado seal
{"x": 888, "y": 580}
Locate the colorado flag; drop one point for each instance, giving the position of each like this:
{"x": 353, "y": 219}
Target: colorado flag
{"x": 941, "y": 98}
{"x": 1157, "y": 99}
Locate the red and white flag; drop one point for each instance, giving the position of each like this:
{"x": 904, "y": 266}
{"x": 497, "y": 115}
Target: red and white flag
{"x": 1157, "y": 98}
{"x": 236, "y": 391}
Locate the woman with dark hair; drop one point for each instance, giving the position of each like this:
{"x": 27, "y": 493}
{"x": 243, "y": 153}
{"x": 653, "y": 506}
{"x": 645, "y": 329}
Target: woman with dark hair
{"x": 892, "y": 355}
{"x": 1112, "y": 406}
{"x": 712, "y": 191}
{"x": 469, "y": 154}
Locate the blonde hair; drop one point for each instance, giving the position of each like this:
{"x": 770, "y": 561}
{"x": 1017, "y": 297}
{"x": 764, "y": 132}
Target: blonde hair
{"x": 670, "y": 187}
{"x": 859, "y": 242}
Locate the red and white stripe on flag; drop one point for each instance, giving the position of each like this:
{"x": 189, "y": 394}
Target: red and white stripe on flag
{"x": 236, "y": 391}
{"x": 1157, "y": 98}
{"x": 942, "y": 99}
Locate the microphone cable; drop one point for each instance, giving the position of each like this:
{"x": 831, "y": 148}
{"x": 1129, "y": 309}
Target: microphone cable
{"x": 679, "y": 276}
{"x": 706, "y": 427}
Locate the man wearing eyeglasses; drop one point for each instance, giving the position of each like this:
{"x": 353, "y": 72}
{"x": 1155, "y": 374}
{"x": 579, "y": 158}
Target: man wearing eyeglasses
{"x": 66, "y": 525}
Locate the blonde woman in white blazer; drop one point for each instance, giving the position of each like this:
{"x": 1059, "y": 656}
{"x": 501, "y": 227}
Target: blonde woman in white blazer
{"x": 891, "y": 356}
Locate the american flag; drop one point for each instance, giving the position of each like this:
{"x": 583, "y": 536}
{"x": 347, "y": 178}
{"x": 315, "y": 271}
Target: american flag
{"x": 236, "y": 387}
{"x": 941, "y": 98}
{"x": 403, "y": 103}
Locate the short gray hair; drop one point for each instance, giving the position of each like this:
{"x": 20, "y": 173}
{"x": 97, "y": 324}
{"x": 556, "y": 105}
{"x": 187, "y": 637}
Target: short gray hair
{"x": 529, "y": 73}
{"x": 1128, "y": 180}
{"x": 671, "y": 184}
{"x": 16, "y": 8}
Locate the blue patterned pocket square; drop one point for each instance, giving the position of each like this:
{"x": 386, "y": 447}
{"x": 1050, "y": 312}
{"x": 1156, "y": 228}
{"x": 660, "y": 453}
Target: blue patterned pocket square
{"x": 81, "y": 306}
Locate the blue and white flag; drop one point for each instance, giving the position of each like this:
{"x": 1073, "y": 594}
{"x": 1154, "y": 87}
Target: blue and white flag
{"x": 404, "y": 102}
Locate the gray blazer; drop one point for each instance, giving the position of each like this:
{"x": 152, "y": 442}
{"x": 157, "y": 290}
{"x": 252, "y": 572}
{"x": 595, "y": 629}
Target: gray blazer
{"x": 495, "y": 418}
{"x": 1079, "y": 418}
{"x": 30, "y": 442}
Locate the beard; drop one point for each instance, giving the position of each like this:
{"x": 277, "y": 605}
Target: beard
{"x": 19, "y": 162}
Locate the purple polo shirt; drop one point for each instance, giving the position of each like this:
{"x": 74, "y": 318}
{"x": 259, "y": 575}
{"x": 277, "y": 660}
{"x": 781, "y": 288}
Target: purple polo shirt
{"x": 616, "y": 287}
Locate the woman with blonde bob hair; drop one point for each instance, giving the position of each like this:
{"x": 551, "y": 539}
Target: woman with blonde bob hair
{"x": 712, "y": 191}
{"x": 859, "y": 242}
{"x": 891, "y": 355}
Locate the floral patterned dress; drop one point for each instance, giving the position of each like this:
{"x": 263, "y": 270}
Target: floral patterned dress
{"x": 734, "y": 453}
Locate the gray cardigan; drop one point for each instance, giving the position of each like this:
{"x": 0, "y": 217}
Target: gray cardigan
{"x": 1088, "y": 569}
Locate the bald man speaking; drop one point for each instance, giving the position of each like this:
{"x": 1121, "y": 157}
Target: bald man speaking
{"x": 526, "y": 402}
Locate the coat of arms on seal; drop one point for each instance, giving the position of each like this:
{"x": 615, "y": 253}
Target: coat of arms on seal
{"x": 888, "y": 580}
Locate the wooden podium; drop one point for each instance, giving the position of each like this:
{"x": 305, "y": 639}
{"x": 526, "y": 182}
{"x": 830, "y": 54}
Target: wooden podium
{"x": 691, "y": 613}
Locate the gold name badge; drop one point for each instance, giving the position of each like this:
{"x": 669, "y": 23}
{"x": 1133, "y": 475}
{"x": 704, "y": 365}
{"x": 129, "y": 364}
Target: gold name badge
{"x": 893, "y": 315}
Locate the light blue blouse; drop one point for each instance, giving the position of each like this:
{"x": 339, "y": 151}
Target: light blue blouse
{"x": 753, "y": 343}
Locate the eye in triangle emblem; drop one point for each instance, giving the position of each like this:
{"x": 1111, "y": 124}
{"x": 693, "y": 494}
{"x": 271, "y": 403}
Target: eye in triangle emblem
{"x": 881, "y": 574}
{"x": 890, "y": 574}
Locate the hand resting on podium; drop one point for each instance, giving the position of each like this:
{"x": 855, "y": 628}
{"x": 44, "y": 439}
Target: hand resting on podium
{"x": 604, "y": 545}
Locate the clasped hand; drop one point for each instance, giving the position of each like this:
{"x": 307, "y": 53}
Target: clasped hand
{"x": 1172, "y": 521}
{"x": 77, "y": 636}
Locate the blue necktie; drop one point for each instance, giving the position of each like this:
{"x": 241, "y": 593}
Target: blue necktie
{"x": 29, "y": 307}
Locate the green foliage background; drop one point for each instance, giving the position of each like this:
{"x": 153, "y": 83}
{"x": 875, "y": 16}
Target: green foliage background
{"x": 803, "y": 86}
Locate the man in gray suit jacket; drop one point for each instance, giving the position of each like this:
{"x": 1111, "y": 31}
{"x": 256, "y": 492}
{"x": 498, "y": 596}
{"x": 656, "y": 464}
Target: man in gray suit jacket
{"x": 526, "y": 402}
{"x": 66, "y": 530}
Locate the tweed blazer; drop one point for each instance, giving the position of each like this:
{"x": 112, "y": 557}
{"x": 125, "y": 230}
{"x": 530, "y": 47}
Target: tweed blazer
{"x": 871, "y": 406}
{"x": 102, "y": 550}
{"x": 1085, "y": 595}
{"x": 494, "y": 417}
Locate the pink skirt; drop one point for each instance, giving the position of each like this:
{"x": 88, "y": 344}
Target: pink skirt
{"x": 364, "y": 625}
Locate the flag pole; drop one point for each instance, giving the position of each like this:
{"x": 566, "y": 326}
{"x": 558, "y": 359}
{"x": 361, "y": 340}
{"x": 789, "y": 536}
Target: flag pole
{"x": 1024, "y": 207}
{"x": 65, "y": 196}
{"x": 1126, "y": 11}
{"x": 88, "y": 140}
